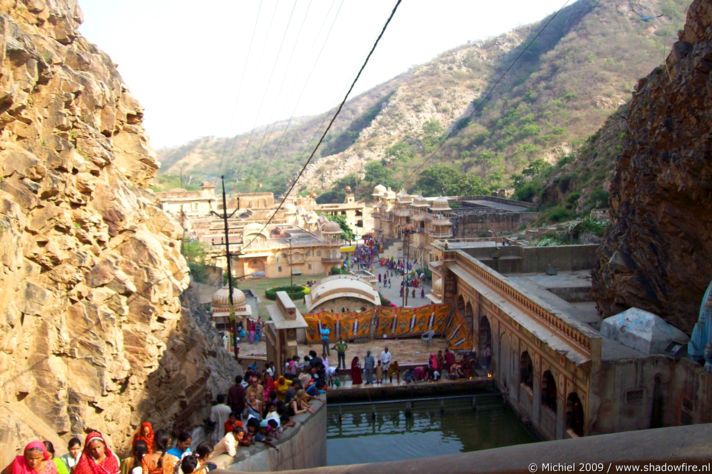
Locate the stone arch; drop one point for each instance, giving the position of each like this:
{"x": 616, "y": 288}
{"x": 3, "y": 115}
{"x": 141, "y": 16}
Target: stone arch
{"x": 484, "y": 344}
{"x": 460, "y": 304}
{"x": 548, "y": 390}
{"x": 574, "y": 414}
{"x": 526, "y": 370}
{"x": 469, "y": 316}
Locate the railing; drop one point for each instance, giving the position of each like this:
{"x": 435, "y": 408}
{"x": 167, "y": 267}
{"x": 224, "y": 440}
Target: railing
{"x": 563, "y": 328}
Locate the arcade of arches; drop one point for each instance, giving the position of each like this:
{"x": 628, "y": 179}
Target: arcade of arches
{"x": 557, "y": 372}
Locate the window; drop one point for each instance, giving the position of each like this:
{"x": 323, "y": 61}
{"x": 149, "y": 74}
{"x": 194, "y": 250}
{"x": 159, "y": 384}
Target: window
{"x": 634, "y": 396}
{"x": 309, "y": 266}
{"x": 279, "y": 269}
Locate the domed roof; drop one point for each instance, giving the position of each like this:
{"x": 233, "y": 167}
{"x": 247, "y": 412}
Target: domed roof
{"x": 331, "y": 227}
{"x": 379, "y": 190}
{"x": 347, "y": 189}
{"x": 221, "y": 299}
{"x": 420, "y": 201}
{"x": 440, "y": 204}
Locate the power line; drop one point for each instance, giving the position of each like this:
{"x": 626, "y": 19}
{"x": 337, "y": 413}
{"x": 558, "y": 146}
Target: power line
{"x": 331, "y": 122}
{"x": 239, "y": 86}
{"x": 489, "y": 93}
{"x": 283, "y": 136}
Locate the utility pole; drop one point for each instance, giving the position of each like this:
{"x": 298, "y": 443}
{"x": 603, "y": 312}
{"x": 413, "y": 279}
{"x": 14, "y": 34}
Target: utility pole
{"x": 224, "y": 216}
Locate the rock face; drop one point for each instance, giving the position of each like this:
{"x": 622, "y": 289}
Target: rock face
{"x": 658, "y": 250}
{"x": 92, "y": 332}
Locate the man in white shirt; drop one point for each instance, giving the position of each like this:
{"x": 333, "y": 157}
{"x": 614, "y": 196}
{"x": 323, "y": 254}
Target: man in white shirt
{"x": 219, "y": 413}
{"x": 385, "y": 359}
{"x": 229, "y": 443}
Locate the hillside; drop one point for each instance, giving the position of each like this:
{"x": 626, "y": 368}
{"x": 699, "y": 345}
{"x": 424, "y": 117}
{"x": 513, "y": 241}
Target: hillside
{"x": 562, "y": 89}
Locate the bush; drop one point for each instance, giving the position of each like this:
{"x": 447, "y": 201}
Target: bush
{"x": 558, "y": 214}
{"x": 295, "y": 292}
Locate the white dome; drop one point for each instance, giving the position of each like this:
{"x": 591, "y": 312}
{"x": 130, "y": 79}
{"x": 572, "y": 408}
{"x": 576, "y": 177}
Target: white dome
{"x": 331, "y": 228}
{"x": 379, "y": 190}
{"x": 221, "y": 299}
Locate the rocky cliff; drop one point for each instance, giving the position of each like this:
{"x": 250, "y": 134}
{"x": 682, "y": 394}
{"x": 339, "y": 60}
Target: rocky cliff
{"x": 92, "y": 333}
{"x": 658, "y": 250}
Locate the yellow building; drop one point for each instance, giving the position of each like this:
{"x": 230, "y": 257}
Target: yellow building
{"x": 271, "y": 252}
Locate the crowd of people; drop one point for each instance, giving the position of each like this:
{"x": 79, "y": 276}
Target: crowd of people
{"x": 441, "y": 365}
{"x": 256, "y": 409}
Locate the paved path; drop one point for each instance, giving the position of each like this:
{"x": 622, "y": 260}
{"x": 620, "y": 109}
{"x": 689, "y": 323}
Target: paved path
{"x": 393, "y": 293}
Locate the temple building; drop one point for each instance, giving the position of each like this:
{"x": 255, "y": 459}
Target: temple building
{"x": 556, "y": 360}
{"x": 342, "y": 293}
{"x": 221, "y": 310}
{"x": 422, "y": 220}
{"x": 276, "y": 250}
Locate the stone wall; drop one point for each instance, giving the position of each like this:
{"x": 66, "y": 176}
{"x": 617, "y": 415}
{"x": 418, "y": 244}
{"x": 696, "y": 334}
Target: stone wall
{"x": 516, "y": 259}
{"x": 299, "y": 447}
{"x": 480, "y": 223}
{"x": 674, "y": 445}
{"x": 93, "y": 333}
{"x": 651, "y": 392}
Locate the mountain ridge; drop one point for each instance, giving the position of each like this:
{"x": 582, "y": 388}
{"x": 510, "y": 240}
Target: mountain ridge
{"x": 567, "y": 82}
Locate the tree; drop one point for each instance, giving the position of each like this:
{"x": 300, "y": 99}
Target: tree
{"x": 444, "y": 180}
{"x": 346, "y": 232}
{"x": 194, "y": 253}
{"x": 378, "y": 173}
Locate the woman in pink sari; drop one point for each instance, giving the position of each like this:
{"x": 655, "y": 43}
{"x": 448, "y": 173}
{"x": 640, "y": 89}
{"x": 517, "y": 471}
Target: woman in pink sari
{"x": 97, "y": 458}
{"x": 34, "y": 460}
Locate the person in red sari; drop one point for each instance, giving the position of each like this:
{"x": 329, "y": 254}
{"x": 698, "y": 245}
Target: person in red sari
{"x": 145, "y": 433}
{"x": 97, "y": 458}
{"x": 35, "y": 459}
{"x": 356, "y": 372}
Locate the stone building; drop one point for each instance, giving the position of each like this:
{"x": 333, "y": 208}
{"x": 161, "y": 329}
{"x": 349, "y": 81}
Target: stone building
{"x": 423, "y": 220}
{"x": 274, "y": 250}
{"x": 536, "y": 331}
{"x": 357, "y": 214}
{"x": 342, "y": 293}
{"x": 481, "y": 216}
{"x": 183, "y": 204}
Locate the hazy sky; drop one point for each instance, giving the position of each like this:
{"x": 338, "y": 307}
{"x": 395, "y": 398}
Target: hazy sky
{"x": 222, "y": 67}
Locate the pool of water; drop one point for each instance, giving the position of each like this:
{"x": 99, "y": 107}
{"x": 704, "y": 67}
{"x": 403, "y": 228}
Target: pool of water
{"x": 381, "y": 431}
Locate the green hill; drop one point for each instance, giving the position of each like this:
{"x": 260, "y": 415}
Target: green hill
{"x": 564, "y": 86}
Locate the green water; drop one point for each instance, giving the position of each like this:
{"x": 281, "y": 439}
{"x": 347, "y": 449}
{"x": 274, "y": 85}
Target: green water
{"x": 436, "y": 427}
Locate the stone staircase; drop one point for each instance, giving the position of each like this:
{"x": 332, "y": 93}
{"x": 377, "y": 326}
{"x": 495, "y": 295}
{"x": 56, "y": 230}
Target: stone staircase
{"x": 395, "y": 250}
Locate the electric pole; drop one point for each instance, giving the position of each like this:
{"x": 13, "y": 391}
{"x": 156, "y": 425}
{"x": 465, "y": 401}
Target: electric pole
{"x": 224, "y": 216}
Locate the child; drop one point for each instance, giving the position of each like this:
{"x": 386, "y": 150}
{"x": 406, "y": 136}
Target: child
{"x": 379, "y": 372}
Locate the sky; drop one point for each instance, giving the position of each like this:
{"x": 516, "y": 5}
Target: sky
{"x": 223, "y": 67}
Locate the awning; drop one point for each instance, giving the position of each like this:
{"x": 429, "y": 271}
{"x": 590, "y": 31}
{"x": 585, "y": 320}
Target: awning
{"x": 348, "y": 249}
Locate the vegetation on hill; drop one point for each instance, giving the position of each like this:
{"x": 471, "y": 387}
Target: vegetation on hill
{"x": 437, "y": 130}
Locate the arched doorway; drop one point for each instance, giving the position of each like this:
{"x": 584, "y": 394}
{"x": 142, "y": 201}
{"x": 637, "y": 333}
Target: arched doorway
{"x": 485, "y": 344}
{"x": 574, "y": 414}
{"x": 526, "y": 370}
{"x": 468, "y": 316}
{"x": 460, "y": 305}
{"x": 657, "y": 415}
{"x": 548, "y": 391}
